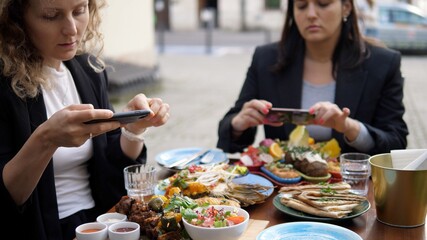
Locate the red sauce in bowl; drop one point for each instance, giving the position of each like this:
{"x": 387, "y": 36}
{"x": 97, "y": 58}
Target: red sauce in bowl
{"x": 124, "y": 229}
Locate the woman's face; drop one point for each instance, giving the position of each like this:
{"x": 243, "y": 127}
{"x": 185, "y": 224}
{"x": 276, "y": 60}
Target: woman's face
{"x": 56, "y": 27}
{"x": 320, "y": 20}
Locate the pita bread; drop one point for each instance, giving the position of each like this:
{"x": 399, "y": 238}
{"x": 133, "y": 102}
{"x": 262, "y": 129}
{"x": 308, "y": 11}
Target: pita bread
{"x": 321, "y": 200}
{"x": 303, "y": 207}
{"x": 340, "y": 186}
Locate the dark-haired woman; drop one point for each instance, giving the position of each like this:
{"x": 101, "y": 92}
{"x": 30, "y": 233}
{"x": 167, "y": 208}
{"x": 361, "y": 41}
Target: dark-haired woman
{"x": 322, "y": 63}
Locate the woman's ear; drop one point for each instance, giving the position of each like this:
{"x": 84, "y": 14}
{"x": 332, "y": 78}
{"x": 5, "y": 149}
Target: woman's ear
{"x": 346, "y": 8}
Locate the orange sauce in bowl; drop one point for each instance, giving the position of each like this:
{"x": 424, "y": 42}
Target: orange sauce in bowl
{"x": 91, "y": 230}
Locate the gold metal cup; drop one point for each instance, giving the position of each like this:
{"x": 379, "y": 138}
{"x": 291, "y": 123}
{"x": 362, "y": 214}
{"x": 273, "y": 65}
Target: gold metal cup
{"x": 400, "y": 195}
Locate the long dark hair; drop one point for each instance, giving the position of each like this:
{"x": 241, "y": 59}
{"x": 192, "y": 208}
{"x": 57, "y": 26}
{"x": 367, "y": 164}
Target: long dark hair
{"x": 291, "y": 43}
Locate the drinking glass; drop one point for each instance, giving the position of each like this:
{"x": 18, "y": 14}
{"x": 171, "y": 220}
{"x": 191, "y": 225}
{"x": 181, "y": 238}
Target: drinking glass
{"x": 140, "y": 180}
{"x": 355, "y": 170}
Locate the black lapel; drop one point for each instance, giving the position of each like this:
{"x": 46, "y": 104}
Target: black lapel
{"x": 84, "y": 83}
{"x": 36, "y": 111}
{"x": 349, "y": 90}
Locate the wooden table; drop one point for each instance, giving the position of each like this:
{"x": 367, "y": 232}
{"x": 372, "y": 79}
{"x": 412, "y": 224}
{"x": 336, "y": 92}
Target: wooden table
{"x": 366, "y": 225}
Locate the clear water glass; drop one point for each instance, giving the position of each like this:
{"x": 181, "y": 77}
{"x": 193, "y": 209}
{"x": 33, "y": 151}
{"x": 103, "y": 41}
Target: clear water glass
{"x": 355, "y": 170}
{"x": 140, "y": 181}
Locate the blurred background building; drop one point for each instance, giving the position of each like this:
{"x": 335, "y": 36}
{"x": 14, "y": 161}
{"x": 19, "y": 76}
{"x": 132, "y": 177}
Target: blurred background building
{"x": 135, "y": 29}
{"x": 130, "y": 48}
{"x": 243, "y": 15}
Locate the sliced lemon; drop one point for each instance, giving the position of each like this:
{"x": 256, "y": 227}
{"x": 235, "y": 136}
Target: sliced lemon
{"x": 275, "y": 151}
{"x": 331, "y": 149}
{"x": 299, "y": 137}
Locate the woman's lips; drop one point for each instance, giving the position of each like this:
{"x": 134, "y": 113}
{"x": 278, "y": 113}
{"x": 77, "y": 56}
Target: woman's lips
{"x": 68, "y": 45}
{"x": 313, "y": 28}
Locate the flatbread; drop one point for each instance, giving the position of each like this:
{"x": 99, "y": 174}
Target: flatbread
{"x": 338, "y": 187}
{"x": 323, "y": 200}
{"x": 303, "y": 207}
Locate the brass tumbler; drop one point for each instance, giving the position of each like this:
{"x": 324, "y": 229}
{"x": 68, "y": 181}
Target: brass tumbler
{"x": 400, "y": 195}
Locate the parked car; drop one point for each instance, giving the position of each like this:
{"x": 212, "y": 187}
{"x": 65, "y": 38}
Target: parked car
{"x": 400, "y": 26}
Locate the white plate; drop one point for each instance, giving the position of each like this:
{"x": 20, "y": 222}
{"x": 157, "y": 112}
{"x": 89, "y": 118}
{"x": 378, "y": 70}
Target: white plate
{"x": 250, "y": 178}
{"x": 168, "y": 157}
{"x": 307, "y": 230}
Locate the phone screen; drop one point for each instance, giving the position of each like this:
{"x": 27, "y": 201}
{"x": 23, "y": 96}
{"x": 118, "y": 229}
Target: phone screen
{"x": 290, "y": 115}
{"x": 124, "y": 117}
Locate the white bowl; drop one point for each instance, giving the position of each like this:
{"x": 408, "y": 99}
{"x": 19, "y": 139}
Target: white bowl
{"x": 223, "y": 233}
{"x": 110, "y": 218}
{"x": 124, "y": 231}
{"x": 92, "y": 231}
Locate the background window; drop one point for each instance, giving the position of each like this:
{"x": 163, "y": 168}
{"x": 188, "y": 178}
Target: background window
{"x": 272, "y": 4}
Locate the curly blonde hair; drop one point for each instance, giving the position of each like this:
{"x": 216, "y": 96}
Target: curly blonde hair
{"x": 22, "y": 63}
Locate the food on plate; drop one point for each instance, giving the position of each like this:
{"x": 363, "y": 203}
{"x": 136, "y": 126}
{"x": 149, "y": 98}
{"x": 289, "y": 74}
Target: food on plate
{"x": 334, "y": 168}
{"x": 141, "y": 213}
{"x": 275, "y": 151}
{"x": 216, "y": 201}
{"x": 340, "y": 187}
{"x": 213, "y": 181}
{"x": 255, "y": 156}
{"x": 282, "y": 170}
{"x": 213, "y": 217}
{"x": 245, "y": 194}
{"x": 330, "y": 149}
{"x": 300, "y": 151}
{"x": 158, "y": 219}
{"x": 299, "y": 137}
{"x": 307, "y": 161}
{"x": 324, "y": 200}
{"x": 195, "y": 190}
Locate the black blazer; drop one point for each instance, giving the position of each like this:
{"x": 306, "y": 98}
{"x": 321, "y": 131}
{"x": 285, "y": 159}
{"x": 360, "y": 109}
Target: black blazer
{"x": 372, "y": 91}
{"x": 38, "y": 217}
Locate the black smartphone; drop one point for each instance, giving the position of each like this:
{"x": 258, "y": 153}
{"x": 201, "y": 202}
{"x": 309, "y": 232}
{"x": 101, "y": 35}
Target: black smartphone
{"x": 290, "y": 115}
{"x": 123, "y": 117}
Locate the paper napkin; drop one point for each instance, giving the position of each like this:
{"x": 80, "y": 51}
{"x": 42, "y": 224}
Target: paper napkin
{"x": 409, "y": 159}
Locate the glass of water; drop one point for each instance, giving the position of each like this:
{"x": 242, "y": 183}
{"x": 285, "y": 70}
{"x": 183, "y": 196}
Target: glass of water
{"x": 355, "y": 170}
{"x": 140, "y": 181}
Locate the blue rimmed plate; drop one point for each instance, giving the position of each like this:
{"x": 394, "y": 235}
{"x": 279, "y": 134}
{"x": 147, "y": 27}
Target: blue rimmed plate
{"x": 279, "y": 179}
{"x": 357, "y": 211}
{"x": 307, "y": 230}
{"x": 168, "y": 157}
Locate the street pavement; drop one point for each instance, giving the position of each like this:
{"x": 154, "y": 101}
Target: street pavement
{"x": 201, "y": 87}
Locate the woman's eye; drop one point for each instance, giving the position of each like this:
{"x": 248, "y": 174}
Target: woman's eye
{"x": 50, "y": 17}
{"x": 323, "y": 3}
{"x": 80, "y": 11}
{"x": 300, "y": 4}
{"x": 50, "y": 14}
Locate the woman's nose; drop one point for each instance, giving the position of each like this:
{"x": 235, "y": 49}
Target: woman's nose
{"x": 311, "y": 10}
{"x": 69, "y": 27}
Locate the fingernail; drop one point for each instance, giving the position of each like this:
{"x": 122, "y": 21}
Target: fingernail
{"x": 311, "y": 111}
{"x": 265, "y": 110}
